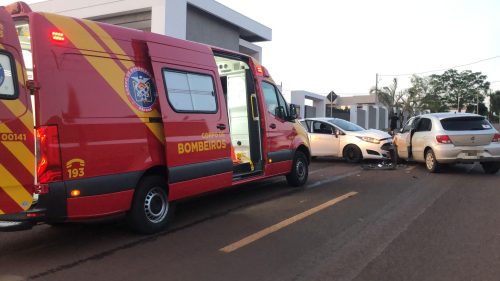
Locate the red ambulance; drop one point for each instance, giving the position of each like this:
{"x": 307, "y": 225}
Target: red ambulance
{"x": 98, "y": 120}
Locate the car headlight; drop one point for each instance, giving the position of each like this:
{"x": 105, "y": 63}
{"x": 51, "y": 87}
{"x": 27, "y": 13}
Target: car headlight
{"x": 369, "y": 139}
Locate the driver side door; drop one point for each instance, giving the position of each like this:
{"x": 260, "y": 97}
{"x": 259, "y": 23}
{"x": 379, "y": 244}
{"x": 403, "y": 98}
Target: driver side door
{"x": 402, "y": 139}
{"x": 323, "y": 140}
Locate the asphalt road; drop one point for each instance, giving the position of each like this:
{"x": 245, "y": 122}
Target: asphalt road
{"x": 346, "y": 224}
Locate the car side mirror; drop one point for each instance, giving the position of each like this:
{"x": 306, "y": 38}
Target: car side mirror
{"x": 336, "y": 133}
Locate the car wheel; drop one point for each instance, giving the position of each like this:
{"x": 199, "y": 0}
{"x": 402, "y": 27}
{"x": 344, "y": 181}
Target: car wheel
{"x": 431, "y": 163}
{"x": 300, "y": 170}
{"x": 490, "y": 167}
{"x": 353, "y": 154}
{"x": 151, "y": 211}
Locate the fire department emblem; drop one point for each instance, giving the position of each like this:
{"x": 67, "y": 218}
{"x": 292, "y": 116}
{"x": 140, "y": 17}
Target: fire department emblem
{"x": 140, "y": 88}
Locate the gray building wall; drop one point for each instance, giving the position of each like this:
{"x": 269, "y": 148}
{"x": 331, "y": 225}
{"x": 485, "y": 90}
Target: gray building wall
{"x": 381, "y": 118}
{"x": 204, "y": 28}
{"x": 372, "y": 121}
{"x": 342, "y": 115}
{"x": 310, "y": 111}
{"x": 361, "y": 117}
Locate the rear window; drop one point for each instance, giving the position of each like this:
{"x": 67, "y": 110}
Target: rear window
{"x": 465, "y": 124}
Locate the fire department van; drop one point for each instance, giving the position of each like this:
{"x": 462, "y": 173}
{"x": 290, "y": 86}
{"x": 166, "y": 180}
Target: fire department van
{"x": 125, "y": 121}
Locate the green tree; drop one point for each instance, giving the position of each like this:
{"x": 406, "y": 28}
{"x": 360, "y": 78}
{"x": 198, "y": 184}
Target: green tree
{"x": 495, "y": 104}
{"x": 460, "y": 88}
{"x": 422, "y": 95}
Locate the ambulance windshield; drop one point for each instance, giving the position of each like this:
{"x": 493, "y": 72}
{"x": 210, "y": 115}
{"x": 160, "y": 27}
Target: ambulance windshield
{"x": 23, "y": 32}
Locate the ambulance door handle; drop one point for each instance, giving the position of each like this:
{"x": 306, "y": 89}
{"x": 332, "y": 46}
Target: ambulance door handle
{"x": 221, "y": 126}
{"x": 273, "y": 126}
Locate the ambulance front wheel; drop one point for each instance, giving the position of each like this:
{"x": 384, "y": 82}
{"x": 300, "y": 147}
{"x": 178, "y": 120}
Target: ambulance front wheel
{"x": 300, "y": 170}
{"x": 150, "y": 211}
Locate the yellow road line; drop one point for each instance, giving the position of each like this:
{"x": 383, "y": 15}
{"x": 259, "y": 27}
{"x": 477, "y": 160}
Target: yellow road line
{"x": 269, "y": 230}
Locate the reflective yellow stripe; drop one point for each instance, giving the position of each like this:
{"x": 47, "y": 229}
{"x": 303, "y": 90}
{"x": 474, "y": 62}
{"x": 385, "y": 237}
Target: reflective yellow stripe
{"x": 14, "y": 188}
{"x": 20, "y": 151}
{"x": 1, "y": 212}
{"x": 106, "y": 67}
{"x": 21, "y": 74}
{"x": 110, "y": 43}
{"x": 19, "y": 110}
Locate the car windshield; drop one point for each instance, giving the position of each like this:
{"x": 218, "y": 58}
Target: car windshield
{"x": 465, "y": 124}
{"x": 345, "y": 125}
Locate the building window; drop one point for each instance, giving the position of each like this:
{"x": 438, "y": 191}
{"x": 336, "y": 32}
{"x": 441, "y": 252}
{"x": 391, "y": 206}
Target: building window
{"x": 190, "y": 92}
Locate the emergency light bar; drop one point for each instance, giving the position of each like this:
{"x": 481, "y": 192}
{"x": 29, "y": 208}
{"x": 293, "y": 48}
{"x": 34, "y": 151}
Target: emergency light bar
{"x": 57, "y": 36}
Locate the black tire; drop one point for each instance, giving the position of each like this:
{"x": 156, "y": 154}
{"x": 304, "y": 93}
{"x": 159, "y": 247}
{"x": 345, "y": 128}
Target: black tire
{"x": 352, "y": 154}
{"x": 151, "y": 211}
{"x": 431, "y": 163}
{"x": 300, "y": 170}
{"x": 491, "y": 167}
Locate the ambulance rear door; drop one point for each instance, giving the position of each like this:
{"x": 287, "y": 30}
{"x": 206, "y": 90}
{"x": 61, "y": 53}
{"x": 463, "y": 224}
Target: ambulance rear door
{"x": 17, "y": 160}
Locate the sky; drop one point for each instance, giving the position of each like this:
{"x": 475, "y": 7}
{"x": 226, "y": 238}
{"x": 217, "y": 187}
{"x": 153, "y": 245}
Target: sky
{"x": 322, "y": 46}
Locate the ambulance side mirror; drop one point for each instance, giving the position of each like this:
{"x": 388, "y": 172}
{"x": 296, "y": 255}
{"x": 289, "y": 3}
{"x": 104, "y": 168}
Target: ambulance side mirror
{"x": 280, "y": 112}
{"x": 293, "y": 113}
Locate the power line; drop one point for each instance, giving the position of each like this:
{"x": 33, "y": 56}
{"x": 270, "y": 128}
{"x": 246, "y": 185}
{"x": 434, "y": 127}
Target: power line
{"x": 436, "y": 70}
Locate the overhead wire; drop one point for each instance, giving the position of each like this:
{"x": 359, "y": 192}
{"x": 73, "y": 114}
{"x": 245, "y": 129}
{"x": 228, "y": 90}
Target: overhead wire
{"x": 443, "y": 69}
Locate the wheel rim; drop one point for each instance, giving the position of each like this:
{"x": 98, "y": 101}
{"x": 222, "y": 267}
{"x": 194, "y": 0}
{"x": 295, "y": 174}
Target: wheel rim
{"x": 156, "y": 205}
{"x": 429, "y": 161}
{"x": 350, "y": 153}
{"x": 300, "y": 169}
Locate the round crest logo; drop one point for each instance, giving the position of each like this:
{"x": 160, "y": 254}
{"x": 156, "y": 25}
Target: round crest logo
{"x": 140, "y": 88}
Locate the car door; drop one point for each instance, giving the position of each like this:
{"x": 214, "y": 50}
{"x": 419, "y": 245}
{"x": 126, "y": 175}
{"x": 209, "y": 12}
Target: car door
{"x": 323, "y": 140}
{"x": 279, "y": 131}
{"x": 402, "y": 139}
{"x": 17, "y": 156}
{"x": 421, "y": 137}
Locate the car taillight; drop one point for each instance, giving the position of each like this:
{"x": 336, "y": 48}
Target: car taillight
{"x": 48, "y": 155}
{"x": 496, "y": 138}
{"x": 443, "y": 139}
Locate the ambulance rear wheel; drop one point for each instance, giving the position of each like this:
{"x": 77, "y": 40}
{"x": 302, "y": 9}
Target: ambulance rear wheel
{"x": 300, "y": 170}
{"x": 151, "y": 211}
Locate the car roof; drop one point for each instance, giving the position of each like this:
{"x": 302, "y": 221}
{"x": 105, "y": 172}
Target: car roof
{"x": 444, "y": 115}
{"x": 325, "y": 119}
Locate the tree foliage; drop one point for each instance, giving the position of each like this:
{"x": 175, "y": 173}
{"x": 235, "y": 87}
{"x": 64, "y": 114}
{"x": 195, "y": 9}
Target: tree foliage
{"x": 495, "y": 102}
{"x": 457, "y": 89}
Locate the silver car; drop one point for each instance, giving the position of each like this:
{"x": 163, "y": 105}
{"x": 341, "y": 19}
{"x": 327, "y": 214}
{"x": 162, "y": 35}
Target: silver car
{"x": 340, "y": 138}
{"x": 443, "y": 138}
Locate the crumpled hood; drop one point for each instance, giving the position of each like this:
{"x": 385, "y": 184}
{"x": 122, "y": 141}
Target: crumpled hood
{"x": 370, "y": 133}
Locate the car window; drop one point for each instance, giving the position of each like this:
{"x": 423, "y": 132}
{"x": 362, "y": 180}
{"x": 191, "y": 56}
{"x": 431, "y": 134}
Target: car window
{"x": 270, "y": 97}
{"x": 471, "y": 123}
{"x": 408, "y": 126}
{"x": 424, "y": 125}
{"x": 190, "y": 92}
{"x": 305, "y": 125}
{"x": 322, "y": 128}
{"x": 346, "y": 125}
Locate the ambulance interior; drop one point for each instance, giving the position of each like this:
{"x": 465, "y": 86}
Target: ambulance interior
{"x": 244, "y": 122}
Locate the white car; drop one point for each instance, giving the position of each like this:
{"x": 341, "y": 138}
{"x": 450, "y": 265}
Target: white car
{"x": 340, "y": 138}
